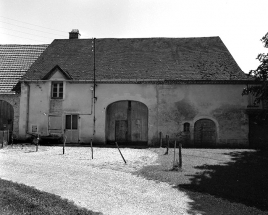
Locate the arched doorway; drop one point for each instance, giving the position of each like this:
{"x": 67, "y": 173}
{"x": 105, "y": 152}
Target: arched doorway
{"x": 127, "y": 122}
{"x": 6, "y": 116}
{"x": 205, "y": 133}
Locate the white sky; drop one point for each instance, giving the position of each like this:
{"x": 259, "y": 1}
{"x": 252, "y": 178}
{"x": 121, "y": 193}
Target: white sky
{"x": 239, "y": 23}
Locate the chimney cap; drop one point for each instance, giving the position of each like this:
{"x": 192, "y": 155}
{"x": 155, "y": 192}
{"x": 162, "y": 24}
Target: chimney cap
{"x": 75, "y": 31}
{"x": 74, "y": 34}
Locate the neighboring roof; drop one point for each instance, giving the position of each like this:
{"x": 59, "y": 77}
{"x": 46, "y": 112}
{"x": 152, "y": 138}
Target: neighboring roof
{"x": 15, "y": 60}
{"x": 204, "y": 58}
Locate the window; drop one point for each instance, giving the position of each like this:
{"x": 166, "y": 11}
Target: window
{"x": 71, "y": 122}
{"x": 186, "y": 127}
{"x": 57, "y": 90}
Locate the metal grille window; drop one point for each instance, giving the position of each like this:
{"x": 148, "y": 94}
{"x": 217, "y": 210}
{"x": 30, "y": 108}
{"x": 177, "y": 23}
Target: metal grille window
{"x": 57, "y": 90}
{"x": 71, "y": 122}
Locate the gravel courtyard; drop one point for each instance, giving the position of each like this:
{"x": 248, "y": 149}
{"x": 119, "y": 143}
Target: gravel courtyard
{"x": 104, "y": 184}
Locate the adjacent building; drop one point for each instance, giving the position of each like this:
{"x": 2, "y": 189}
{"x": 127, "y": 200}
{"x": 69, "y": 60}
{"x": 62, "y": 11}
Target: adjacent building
{"x": 15, "y": 60}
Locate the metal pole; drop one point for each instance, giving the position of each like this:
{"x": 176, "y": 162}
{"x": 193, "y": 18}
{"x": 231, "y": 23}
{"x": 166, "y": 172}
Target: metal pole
{"x": 94, "y": 87}
{"x": 120, "y": 153}
{"x": 94, "y": 67}
{"x": 91, "y": 149}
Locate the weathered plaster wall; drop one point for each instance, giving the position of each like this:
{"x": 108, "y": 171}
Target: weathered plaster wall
{"x": 169, "y": 107}
{"x": 223, "y": 104}
{"x": 109, "y": 93}
{"x": 14, "y": 100}
{"x": 77, "y": 100}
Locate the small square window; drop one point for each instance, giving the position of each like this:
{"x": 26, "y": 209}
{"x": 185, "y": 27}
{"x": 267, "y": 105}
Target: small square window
{"x": 34, "y": 128}
{"x": 57, "y": 90}
{"x": 186, "y": 127}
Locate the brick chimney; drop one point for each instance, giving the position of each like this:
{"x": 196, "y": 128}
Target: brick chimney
{"x": 74, "y": 34}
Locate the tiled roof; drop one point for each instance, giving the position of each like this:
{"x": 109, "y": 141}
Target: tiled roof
{"x": 15, "y": 60}
{"x": 204, "y": 58}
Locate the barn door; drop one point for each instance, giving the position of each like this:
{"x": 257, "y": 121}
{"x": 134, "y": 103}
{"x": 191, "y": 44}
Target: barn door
{"x": 127, "y": 121}
{"x": 71, "y": 128}
{"x": 6, "y": 116}
{"x": 204, "y": 133}
{"x": 139, "y": 119}
{"x": 121, "y": 131}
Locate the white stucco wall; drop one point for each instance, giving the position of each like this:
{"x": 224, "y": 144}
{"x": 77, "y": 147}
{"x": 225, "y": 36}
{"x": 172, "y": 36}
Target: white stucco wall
{"x": 169, "y": 107}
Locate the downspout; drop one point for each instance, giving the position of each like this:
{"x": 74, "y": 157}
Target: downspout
{"x": 28, "y": 107}
{"x": 94, "y": 87}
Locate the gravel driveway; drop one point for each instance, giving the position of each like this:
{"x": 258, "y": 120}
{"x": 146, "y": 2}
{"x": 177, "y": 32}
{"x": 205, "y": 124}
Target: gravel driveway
{"x": 104, "y": 184}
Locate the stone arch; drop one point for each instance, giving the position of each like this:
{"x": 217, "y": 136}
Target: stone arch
{"x": 127, "y": 122}
{"x": 6, "y": 115}
{"x": 205, "y": 132}
{"x": 14, "y": 101}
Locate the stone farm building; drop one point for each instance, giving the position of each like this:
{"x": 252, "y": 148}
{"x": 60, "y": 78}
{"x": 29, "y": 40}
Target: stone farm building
{"x": 15, "y": 60}
{"x": 143, "y": 86}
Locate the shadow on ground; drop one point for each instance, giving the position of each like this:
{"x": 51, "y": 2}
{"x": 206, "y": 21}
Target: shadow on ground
{"x": 243, "y": 180}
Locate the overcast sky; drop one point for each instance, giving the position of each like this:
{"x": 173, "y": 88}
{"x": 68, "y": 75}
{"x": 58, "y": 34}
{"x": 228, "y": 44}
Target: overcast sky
{"x": 240, "y": 23}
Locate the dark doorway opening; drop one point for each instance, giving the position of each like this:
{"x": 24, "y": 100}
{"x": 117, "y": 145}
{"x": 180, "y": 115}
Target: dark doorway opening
{"x": 258, "y": 130}
{"x": 6, "y": 116}
{"x": 205, "y": 133}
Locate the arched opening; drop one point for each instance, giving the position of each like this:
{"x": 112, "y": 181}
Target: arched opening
{"x": 6, "y": 117}
{"x": 127, "y": 122}
{"x": 205, "y": 133}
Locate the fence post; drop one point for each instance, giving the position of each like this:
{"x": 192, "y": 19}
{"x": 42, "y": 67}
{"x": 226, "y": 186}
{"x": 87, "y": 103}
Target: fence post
{"x": 180, "y": 157}
{"x": 167, "y": 142}
{"x": 64, "y": 140}
{"x": 174, "y": 159}
{"x": 2, "y": 139}
{"x": 91, "y": 149}
{"x": 37, "y": 141}
{"x": 120, "y": 153}
{"x": 12, "y": 139}
{"x": 160, "y": 137}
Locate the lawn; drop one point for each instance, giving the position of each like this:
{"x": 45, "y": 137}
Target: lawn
{"x": 217, "y": 179}
{"x": 18, "y": 199}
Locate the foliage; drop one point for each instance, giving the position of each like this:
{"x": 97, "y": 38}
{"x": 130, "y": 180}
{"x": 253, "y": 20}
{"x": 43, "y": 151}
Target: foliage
{"x": 259, "y": 91}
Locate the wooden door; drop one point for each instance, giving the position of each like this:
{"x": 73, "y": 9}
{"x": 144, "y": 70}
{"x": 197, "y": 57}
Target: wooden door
{"x": 121, "y": 131}
{"x": 71, "y": 128}
{"x": 139, "y": 125}
{"x": 205, "y": 133}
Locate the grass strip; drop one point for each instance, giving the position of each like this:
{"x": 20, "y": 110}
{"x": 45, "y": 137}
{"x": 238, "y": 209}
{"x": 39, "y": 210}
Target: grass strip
{"x": 19, "y": 199}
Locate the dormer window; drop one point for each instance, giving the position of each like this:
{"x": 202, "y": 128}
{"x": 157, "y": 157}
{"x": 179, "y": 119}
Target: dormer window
{"x": 57, "y": 90}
